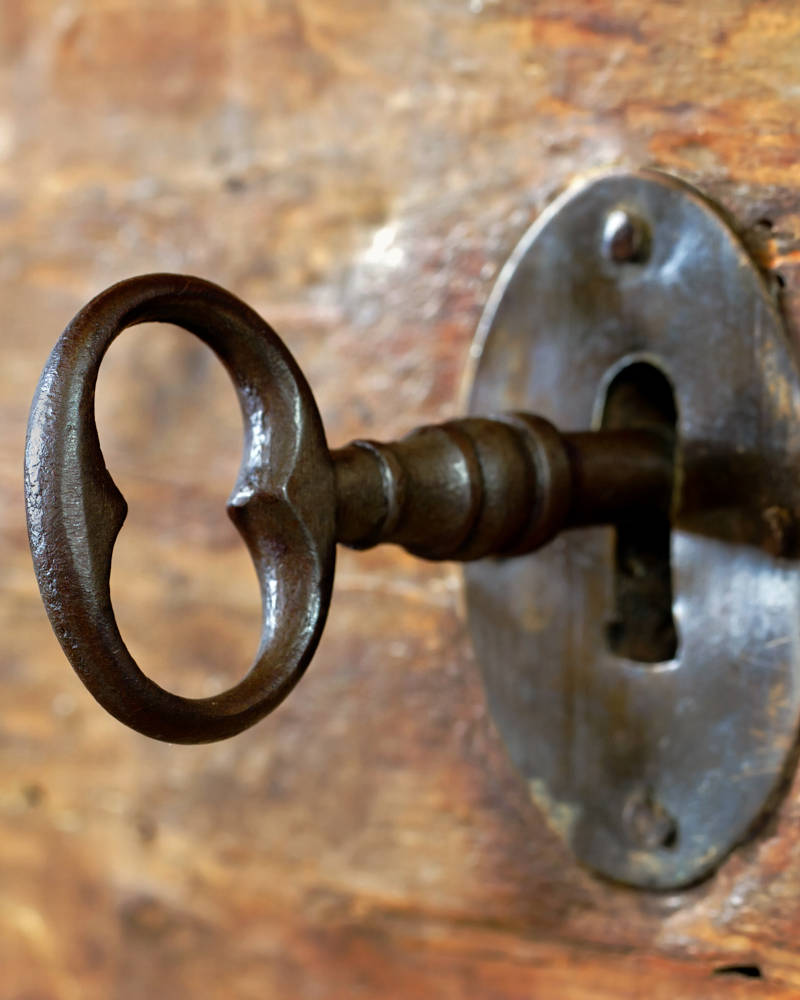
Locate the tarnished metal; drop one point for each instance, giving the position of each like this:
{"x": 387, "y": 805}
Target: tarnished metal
{"x": 462, "y": 490}
{"x": 283, "y": 505}
{"x": 643, "y": 675}
{"x": 646, "y": 679}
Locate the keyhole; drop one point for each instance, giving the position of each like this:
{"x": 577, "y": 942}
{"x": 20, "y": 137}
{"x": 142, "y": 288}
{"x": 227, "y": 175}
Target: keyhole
{"x": 643, "y": 628}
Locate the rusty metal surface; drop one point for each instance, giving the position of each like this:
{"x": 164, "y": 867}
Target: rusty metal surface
{"x": 652, "y": 772}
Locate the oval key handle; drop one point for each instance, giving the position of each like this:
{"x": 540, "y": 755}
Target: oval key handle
{"x": 462, "y": 490}
{"x": 283, "y": 504}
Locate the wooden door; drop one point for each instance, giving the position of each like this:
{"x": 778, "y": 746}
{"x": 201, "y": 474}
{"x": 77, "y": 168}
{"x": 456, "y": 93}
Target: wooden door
{"x": 357, "y": 172}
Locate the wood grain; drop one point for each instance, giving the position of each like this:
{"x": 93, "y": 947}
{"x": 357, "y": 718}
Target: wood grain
{"x": 357, "y": 172}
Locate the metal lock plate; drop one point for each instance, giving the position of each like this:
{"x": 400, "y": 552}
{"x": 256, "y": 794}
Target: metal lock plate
{"x": 651, "y": 771}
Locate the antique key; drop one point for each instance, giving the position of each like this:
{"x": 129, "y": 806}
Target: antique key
{"x": 625, "y": 665}
{"x": 462, "y": 490}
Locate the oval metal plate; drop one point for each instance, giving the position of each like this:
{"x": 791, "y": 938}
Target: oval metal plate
{"x": 697, "y": 747}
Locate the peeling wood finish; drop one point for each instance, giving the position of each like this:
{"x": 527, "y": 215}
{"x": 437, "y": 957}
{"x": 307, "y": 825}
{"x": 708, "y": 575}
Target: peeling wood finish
{"x": 357, "y": 172}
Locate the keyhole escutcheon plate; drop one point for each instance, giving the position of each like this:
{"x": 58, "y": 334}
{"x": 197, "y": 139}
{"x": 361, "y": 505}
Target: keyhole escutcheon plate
{"x": 652, "y": 770}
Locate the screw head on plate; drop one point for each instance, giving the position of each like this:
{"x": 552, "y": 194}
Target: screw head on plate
{"x": 626, "y": 238}
{"x": 647, "y": 823}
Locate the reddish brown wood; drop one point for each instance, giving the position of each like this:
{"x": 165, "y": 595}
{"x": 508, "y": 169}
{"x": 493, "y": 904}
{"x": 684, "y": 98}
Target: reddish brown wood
{"x": 357, "y": 172}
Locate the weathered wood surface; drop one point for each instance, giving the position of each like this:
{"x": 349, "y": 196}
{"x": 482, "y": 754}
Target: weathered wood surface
{"x": 358, "y": 172}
